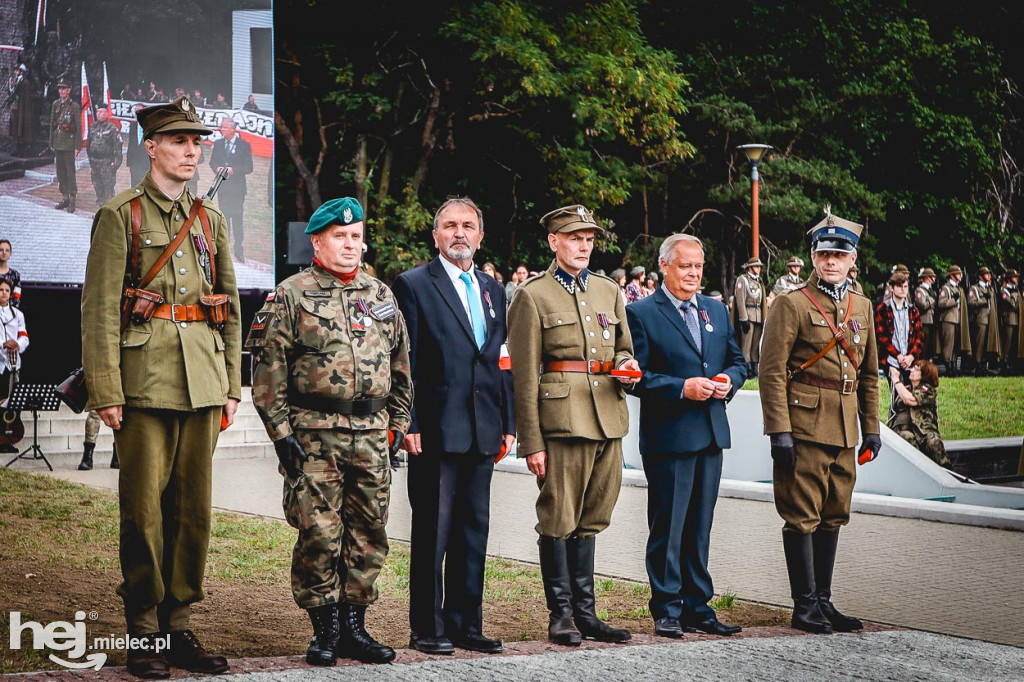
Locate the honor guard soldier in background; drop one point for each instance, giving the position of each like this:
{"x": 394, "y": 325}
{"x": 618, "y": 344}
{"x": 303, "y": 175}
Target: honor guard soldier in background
{"x": 854, "y": 282}
{"x": 164, "y": 383}
{"x": 332, "y": 386}
{"x": 952, "y": 313}
{"x": 567, "y": 333}
{"x": 819, "y": 378}
{"x": 791, "y": 280}
{"x": 925, "y": 298}
{"x": 982, "y": 302}
{"x": 749, "y": 310}
{"x": 1009, "y": 321}
{"x": 105, "y": 155}
{"x": 65, "y": 142}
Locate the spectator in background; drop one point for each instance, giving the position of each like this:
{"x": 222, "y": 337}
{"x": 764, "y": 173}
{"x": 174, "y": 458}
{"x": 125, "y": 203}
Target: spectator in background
{"x": 636, "y": 290}
{"x": 898, "y": 328}
{"x": 518, "y": 276}
{"x": 151, "y": 93}
{"x": 129, "y": 93}
{"x": 250, "y": 105}
{"x": 916, "y": 417}
{"x": 9, "y": 274}
{"x": 15, "y": 341}
{"x": 221, "y": 102}
{"x": 652, "y": 282}
{"x": 197, "y": 98}
{"x": 489, "y": 268}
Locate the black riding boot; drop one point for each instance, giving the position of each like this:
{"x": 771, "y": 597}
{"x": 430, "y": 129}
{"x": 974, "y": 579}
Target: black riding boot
{"x": 355, "y": 642}
{"x": 825, "y": 543}
{"x": 86, "y": 463}
{"x": 115, "y": 463}
{"x": 65, "y": 200}
{"x": 584, "y": 603}
{"x": 807, "y": 616}
{"x": 554, "y": 569}
{"x": 325, "y": 635}
{"x": 71, "y": 204}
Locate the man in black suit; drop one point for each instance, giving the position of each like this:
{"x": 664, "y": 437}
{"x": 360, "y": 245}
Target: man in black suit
{"x": 691, "y": 366}
{"x": 462, "y": 422}
{"x": 234, "y": 154}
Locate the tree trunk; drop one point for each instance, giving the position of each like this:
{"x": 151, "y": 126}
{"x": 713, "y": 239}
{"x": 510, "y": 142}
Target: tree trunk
{"x": 384, "y": 187}
{"x": 360, "y": 173}
{"x": 428, "y": 143}
{"x": 309, "y": 180}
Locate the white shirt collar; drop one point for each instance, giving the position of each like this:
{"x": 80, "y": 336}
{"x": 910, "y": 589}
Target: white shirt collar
{"x": 455, "y": 273}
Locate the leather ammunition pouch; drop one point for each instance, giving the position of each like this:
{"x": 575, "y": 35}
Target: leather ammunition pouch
{"x": 138, "y": 305}
{"x": 218, "y": 309}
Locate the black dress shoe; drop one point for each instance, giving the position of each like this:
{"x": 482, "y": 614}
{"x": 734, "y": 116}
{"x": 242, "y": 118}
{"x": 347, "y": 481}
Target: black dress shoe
{"x": 478, "y": 643}
{"x": 186, "y": 652}
{"x": 432, "y": 645}
{"x": 668, "y": 627}
{"x": 713, "y": 626}
{"x": 148, "y": 663}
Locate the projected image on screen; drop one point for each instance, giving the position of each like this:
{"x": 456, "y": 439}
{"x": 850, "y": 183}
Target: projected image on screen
{"x": 73, "y": 75}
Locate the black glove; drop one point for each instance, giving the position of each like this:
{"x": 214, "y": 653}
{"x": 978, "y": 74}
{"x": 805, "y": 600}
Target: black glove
{"x": 872, "y": 442}
{"x": 395, "y": 439}
{"x": 291, "y": 455}
{"x": 783, "y": 450}
{"x": 745, "y": 326}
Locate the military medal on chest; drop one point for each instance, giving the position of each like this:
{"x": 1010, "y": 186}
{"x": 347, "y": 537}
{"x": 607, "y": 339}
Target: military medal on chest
{"x": 602, "y": 319}
{"x": 361, "y": 318}
{"x": 487, "y": 298}
{"x": 707, "y": 321}
{"x": 855, "y": 326}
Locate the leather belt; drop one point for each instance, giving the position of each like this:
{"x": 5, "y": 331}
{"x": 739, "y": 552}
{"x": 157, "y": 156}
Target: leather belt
{"x": 363, "y": 407}
{"x": 180, "y": 312}
{"x": 844, "y": 386}
{"x": 583, "y": 366}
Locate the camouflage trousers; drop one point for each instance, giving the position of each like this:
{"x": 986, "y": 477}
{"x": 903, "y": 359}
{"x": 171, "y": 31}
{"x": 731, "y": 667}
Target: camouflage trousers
{"x": 340, "y": 507}
{"x": 103, "y": 178}
{"x": 929, "y": 443}
{"x": 92, "y": 427}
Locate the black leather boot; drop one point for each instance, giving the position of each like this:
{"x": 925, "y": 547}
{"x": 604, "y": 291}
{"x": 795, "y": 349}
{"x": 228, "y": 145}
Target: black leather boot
{"x": 807, "y": 616}
{"x": 115, "y": 463}
{"x": 584, "y": 603}
{"x": 71, "y": 204}
{"x": 825, "y": 543}
{"x": 86, "y": 463}
{"x": 355, "y": 642}
{"x": 326, "y": 631}
{"x": 63, "y": 203}
{"x": 554, "y": 569}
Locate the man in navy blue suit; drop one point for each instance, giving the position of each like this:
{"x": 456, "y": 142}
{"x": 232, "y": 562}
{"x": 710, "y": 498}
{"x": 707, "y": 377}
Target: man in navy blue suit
{"x": 691, "y": 366}
{"x": 462, "y": 422}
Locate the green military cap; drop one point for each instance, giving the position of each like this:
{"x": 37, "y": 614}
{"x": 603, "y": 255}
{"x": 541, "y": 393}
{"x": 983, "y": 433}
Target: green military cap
{"x": 618, "y": 272}
{"x": 570, "y": 219}
{"x": 954, "y": 270}
{"x": 794, "y": 261}
{"x": 638, "y": 270}
{"x": 984, "y": 271}
{"x": 1010, "y": 272}
{"x": 343, "y": 211}
{"x": 900, "y": 267}
{"x": 926, "y": 272}
{"x": 752, "y": 263}
{"x": 833, "y": 233}
{"x": 178, "y": 116}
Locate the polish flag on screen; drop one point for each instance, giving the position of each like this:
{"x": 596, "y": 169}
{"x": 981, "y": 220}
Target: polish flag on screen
{"x": 106, "y": 86}
{"x": 86, "y": 105}
{"x": 40, "y": 20}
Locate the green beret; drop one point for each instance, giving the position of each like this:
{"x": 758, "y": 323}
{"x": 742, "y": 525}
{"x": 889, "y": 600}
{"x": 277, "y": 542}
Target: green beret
{"x": 178, "y": 116}
{"x": 343, "y": 211}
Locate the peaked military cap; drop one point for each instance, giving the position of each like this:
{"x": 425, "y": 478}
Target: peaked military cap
{"x": 638, "y": 270}
{"x": 751, "y": 263}
{"x": 63, "y": 83}
{"x": 984, "y": 271}
{"x": 343, "y": 211}
{"x": 570, "y": 219}
{"x": 954, "y": 270}
{"x": 794, "y": 261}
{"x": 835, "y": 234}
{"x": 179, "y": 116}
{"x": 926, "y": 272}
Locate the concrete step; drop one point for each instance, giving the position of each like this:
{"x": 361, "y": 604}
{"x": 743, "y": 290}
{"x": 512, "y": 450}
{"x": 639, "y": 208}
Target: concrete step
{"x": 69, "y": 459}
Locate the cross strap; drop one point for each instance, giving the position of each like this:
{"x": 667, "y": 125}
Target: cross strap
{"x": 837, "y": 336}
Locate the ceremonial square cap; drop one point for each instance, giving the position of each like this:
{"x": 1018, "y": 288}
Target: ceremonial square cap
{"x": 835, "y": 234}
{"x": 343, "y": 211}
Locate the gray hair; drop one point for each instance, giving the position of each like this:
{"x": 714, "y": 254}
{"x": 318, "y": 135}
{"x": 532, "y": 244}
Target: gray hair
{"x": 465, "y": 202}
{"x": 667, "y": 252}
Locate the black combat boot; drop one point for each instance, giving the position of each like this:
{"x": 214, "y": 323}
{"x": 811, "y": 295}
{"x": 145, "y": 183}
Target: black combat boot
{"x": 322, "y": 646}
{"x": 65, "y": 200}
{"x": 807, "y": 616}
{"x": 115, "y": 463}
{"x": 71, "y": 204}
{"x": 554, "y": 569}
{"x": 825, "y": 543}
{"x": 86, "y": 463}
{"x": 584, "y": 603}
{"x": 355, "y": 642}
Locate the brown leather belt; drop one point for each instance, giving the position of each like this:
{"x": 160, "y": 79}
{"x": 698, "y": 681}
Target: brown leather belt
{"x": 180, "y": 312}
{"x": 844, "y": 386}
{"x": 583, "y": 366}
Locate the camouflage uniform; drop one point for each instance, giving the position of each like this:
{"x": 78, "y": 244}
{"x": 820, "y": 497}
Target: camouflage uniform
{"x": 919, "y": 425}
{"x": 105, "y": 155}
{"x": 320, "y": 343}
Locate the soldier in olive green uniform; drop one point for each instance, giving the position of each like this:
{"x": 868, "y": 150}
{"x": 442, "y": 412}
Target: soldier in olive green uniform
{"x": 749, "y": 310}
{"x": 1009, "y": 321}
{"x": 982, "y": 303}
{"x": 791, "y": 280}
{"x": 105, "y": 154}
{"x": 915, "y": 415}
{"x": 332, "y": 378}
{"x": 925, "y": 298}
{"x": 815, "y": 389}
{"x": 163, "y": 385}
{"x": 571, "y": 415}
{"x": 66, "y": 141}
{"x": 952, "y": 313}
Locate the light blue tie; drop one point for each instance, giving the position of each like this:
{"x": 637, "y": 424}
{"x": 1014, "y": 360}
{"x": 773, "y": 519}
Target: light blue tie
{"x": 690, "y": 315}
{"x": 476, "y": 311}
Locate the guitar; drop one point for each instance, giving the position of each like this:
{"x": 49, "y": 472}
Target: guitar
{"x": 12, "y": 429}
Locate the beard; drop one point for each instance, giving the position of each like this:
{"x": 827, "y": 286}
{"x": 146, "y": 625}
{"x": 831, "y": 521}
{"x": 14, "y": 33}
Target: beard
{"x": 459, "y": 252}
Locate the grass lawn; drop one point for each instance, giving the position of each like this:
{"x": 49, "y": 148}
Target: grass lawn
{"x": 969, "y": 407}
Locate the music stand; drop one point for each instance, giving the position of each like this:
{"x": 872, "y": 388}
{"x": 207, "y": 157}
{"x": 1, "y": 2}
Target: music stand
{"x": 35, "y": 397}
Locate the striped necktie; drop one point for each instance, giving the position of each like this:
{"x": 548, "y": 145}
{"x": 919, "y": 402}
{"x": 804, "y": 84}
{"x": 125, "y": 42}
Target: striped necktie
{"x": 690, "y": 315}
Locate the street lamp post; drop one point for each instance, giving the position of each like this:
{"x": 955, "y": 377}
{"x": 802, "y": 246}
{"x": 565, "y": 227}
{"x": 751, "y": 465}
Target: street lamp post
{"x": 754, "y": 154}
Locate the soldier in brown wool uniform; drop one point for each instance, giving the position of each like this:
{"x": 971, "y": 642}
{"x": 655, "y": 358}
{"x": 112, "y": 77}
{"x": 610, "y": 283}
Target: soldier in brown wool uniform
{"x": 983, "y": 306}
{"x": 749, "y": 310}
{"x": 568, "y": 332}
{"x": 331, "y": 380}
{"x": 819, "y": 378}
{"x": 1009, "y": 321}
{"x": 925, "y": 298}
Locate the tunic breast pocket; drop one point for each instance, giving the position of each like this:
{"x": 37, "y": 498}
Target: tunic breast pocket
{"x": 318, "y": 324}
{"x": 819, "y": 333}
{"x": 561, "y": 332}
